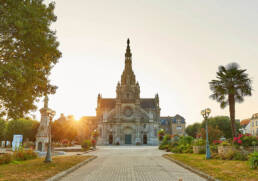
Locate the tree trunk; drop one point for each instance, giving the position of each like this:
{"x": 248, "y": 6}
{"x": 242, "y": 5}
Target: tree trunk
{"x": 231, "y": 100}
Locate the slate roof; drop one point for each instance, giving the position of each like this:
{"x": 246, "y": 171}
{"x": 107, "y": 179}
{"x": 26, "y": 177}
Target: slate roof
{"x": 147, "y": 103}
{"x": 108, "y": 102}
{"x": 111, "y": 102}
{"x": 166, "y": 120}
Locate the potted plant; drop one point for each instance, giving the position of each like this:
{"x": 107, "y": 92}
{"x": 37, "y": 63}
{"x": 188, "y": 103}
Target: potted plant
{"x": 198, "y": 146}
{"x": 224, "y": 148}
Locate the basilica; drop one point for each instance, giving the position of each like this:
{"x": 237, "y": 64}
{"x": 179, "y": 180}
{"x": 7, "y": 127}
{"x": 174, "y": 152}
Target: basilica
{"x": 128, "y": 118}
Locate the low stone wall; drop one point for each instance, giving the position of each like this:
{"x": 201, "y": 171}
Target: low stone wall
{"x": 249, "y": 149}
{"x": 226, "y": 149}
{"x": 222, "y": 150}
{"x": 197, "y": 149}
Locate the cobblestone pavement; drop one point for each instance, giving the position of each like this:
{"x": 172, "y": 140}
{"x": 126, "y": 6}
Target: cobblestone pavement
{"x": 131, "y": 163}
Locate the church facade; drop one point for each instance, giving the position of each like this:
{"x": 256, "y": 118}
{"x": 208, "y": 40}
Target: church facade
{"x": 128, "y": 118}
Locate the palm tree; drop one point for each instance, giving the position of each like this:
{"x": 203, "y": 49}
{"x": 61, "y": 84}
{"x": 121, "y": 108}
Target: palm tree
{"x": 231, "y": 86}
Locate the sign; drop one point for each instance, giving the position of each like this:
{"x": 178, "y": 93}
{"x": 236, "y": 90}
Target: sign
{"x": 17, "y": 142}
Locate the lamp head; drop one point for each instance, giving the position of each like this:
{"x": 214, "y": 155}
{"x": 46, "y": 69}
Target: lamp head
{"x": 203, "y": 112}
{"x": 208, "y": 111}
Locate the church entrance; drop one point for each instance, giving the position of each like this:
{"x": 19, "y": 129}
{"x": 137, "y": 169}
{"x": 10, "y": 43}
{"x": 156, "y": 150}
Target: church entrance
{"x": 40, "y": 146}
{"x": 128, "y": 139}
{"x": 145, "y": 139}
{"x": 110, "y": 139}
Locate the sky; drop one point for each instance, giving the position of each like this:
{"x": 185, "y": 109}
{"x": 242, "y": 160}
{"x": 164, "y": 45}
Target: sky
{"x": 177, "y": 46}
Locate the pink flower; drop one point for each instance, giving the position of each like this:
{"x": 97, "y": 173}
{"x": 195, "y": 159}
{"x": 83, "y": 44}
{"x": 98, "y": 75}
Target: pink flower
{"x": 235, "y": 139}
{"x": 239, "y": 141}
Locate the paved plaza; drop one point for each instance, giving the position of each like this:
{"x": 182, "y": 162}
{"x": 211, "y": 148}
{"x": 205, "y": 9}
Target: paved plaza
{"x": 131, "y": 163}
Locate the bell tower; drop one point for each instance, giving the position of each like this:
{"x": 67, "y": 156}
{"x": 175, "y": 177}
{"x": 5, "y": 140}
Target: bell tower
{"x": 128, "y": 91}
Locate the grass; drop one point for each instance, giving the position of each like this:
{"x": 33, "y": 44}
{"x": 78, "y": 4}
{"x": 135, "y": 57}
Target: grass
{"x": 226, "y": 170}
{"x": 36, "y": 169}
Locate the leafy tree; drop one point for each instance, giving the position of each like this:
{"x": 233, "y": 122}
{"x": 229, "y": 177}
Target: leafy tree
{"x": 231, "y": 85}
{"x": 223, "y": 123}
{"x": 65, "y": 129}
{"x": 28, "y": 52}
{"x": 26, "y": 127}
{"x": 2, "y": 129}
{"x": 193, "y": 129}
{"x": 214, "y": 133}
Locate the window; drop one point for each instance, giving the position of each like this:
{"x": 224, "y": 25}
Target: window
{"x": 179, "y": 127}
{"x": 256, "y": 123}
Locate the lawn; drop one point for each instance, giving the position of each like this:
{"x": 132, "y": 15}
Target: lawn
{"x": 36, "y": 169}
{"x": 227, "y": 170}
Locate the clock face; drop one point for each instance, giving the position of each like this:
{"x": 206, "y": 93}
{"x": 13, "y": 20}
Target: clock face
{"x": 128, "y": 111}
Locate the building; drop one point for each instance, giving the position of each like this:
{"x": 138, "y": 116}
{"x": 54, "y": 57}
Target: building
{"x": 254, "y": 124}
{"x": 128, "y": 118}
{"x": 173, "y": 125}
{"x": 245, "y": 126}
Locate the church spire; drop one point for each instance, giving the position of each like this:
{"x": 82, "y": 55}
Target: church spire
{"x": 128, "y": 51}
{"x": 128, "y": 76}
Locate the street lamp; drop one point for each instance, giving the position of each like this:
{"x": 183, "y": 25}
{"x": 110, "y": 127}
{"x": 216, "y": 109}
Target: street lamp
{"x": 205, "y": 113}
{"x": 50, "y": 114}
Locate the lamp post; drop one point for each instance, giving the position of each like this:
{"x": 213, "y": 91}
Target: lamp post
{"x": 50, "y": 114}
{"x": 205, "y": 113}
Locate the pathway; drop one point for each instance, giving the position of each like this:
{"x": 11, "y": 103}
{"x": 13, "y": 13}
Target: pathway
{"x": 131, "y": 163}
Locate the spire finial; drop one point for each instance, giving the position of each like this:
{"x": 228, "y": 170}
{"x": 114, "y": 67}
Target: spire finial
{"x": 128, "y": 51}
{"x": 46, "y": 101}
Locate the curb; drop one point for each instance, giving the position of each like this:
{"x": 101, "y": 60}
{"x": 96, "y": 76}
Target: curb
{"x": 66, "y": 172}
{"x": 198, "y": 172}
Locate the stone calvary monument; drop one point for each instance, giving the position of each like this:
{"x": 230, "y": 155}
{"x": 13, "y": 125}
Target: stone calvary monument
{"x": 42, "y": 137}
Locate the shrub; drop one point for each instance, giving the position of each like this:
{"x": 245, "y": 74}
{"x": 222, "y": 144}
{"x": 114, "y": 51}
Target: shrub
{"x": 5, "y": 158}
{"x": 238, "y": 155}
{"x": 199, "y": 142}
{"x": 182, "y": 149}
{"x": 163, "y": 147}
{"x": 215, "y": 155}
{"x": 253, "y": 160}
{"x": 245, "y": 140}
{"x": 166, "y": 140}
{"x": 184, "y": 140}
{"x": 161, "y": 133}
{"x": 202, "y": 151}
{"x": 225, "y": 143}
{"x": 234, "y": 155}
{"x": 28, "y": 144}
{"x": 217, "y": 142}
{"x": 214, "y": 148}
{"x": 86, "y": 144}
{"x": 24, "y": 155}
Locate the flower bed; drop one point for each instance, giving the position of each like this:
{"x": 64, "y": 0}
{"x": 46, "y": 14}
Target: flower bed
{"x": 198, "y": 149}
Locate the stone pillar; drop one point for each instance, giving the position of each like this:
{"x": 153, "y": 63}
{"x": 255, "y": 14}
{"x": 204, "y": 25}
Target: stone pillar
{"x": 42, "y": 136}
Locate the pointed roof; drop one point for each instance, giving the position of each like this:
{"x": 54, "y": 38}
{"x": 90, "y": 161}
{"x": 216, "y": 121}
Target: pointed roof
{"x": 128, "y": 50}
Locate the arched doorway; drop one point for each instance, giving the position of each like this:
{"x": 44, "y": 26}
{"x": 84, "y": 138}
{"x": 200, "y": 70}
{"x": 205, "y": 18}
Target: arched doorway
{"x": 145, "y": 139}
{"x": 128, "y": 139}
{"x": 128, "y": 131}
{"x": 110, "y": 139}
{"x": 40, "y": 146}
